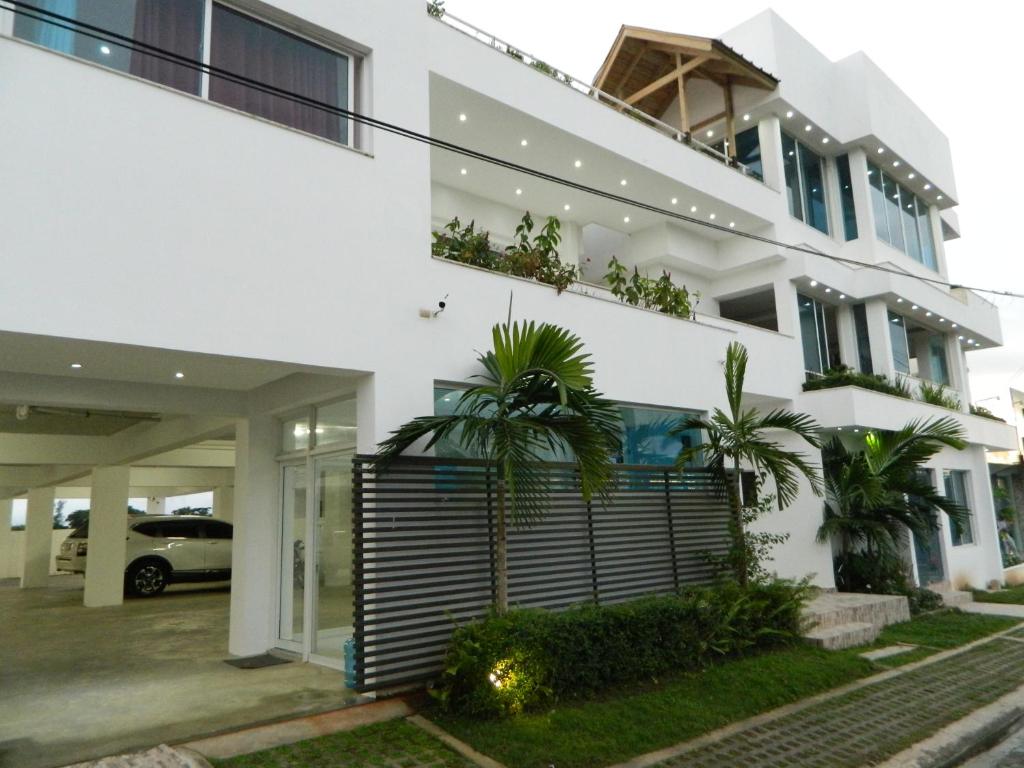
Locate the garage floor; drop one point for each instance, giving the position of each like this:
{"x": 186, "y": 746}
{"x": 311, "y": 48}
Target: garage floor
{"x": 79, "y": 683}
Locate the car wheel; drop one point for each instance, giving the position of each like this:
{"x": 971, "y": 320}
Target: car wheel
{"x": 146, "y": 578}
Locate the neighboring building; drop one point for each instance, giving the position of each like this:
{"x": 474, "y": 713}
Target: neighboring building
{"x": 189, "y": 260}
{"x": 1007, "y": 472}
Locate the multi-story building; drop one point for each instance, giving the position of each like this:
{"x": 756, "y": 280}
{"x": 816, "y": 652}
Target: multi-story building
{"x": 198, "y": 267}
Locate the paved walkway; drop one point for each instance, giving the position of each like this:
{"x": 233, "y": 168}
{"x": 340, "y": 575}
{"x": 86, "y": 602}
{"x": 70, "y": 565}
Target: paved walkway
{"x": 994, "y": 609}
{"x": 872, "y": 722}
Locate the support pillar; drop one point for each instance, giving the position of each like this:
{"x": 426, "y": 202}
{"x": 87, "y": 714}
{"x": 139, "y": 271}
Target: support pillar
{"x": 35, "y": 569}
{"x": 769, "y": 135}
{"x": 862, "y": 194}
{"x": 7, "y": 539}
{"x": 254, "y": 578}
{"x": 880, "y": 337}
{"x": 108, "y": 521}
{"x": 156, "y": 505}
{"x": 224, "y": 502}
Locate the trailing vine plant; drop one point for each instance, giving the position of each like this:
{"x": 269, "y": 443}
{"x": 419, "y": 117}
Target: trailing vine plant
{"x": 661, "y": 295}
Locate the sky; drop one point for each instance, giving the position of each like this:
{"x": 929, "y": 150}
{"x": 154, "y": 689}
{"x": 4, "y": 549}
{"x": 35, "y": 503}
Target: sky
{"x": 72, "y": 505}
{"x": 957, "y": 61}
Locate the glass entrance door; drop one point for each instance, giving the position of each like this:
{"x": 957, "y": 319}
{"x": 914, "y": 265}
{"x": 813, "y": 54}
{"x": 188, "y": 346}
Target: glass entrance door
{"x": 333, "y": 604}
{"x": 929, "y": 558}
{"x": 292, "y": 627}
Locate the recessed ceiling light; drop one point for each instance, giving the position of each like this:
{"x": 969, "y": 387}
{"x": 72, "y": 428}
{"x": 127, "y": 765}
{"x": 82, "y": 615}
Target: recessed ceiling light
{"x": 828, "y": 290}
{"x": 746, "y": 117}
{"x": 824, "y": 140}
{"x": 76, "y": 365}
{"x": 970, "y": 341}
{"x": 808, "y": 127}
{"x": 625, "y": 219}
{"x": 856, "y": 430}
{"x": 693, "y": 209}
{"x": 463, "y": 171}
{"x": 675, "y": 200}
{"x": 914, "y": 307}
{"x": 881, "y": 150}
{"x": 578, "y": 163}
{"x": 179, "y": 375}
{"x": 623, "y": 183}
{"x": 842, "y": 295}
{"x": 938, "y": 197}
{"x": 519, "y": 191}
{"x": 710, "y": 133}
{"x": 942, "y": 319}
{"x": 899, "y": 301}
{"x": 789, "y": 113}
{"x": 895, "y": 163}
{"x": 961, "y": 338}
{"x": 567, "y": 207}
{"x": 814, "y": 283}
{"x": 105, "y": 50}
{"x": 953, "y": 325}
{"x": 911, "y": 175}
{"x": 462, "y": 117}
{"x": 927, "y": 187}
{"x": 732, "y": 225}
{"x": 711, "y": 216}
{"x": 523, "y": 143}
{"x": 927, "y": 314}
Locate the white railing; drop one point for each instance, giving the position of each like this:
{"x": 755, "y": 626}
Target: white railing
{"x": 588, "y": 90}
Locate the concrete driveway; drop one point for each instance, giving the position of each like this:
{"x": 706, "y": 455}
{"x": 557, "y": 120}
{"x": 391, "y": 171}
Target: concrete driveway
{"x": 79, "y": 683}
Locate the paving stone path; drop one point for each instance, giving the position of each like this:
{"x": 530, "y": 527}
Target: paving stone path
{"x": 874, "y": 722}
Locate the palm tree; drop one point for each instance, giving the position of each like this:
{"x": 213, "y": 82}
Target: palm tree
{"x": 741, "y": 438}
{"x": 873, "y": 495}
{"x": 536, "y": 397}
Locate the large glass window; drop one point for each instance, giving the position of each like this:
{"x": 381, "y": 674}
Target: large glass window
{"x": 956, "y": 489}
{"x": 175, "y": 26}
{"x": 819, "y": 335}
{"x": 805, "y": 183}
{"x": 846, "y": 197}
{"x": 900, "y": 346}
{"x": 927, "y": 350}
{"x": 901, "y": 217}
{"x": 245, "y": 46}
{"x": 748, "y": 151}
{"x": 860, "y": 324}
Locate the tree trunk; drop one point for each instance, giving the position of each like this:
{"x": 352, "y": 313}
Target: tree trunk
{"x": 740, "y": 542}
{"x": 501, "y": 553}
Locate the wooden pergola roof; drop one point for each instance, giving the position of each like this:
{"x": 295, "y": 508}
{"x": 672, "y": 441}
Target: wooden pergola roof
{"x": 647, "y": 69}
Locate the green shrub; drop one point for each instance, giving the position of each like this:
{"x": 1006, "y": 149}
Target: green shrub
{"x": 661, "y": 295}
{"x": 882, "y": 575}
{"x": 530, "y": 659}
{"x": 985, "y": 413}
{"x": 844, "y": 376}
{"x": 936, "y": 394}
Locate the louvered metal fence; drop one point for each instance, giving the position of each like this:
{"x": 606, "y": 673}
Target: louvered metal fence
{"x": 424, "y": 551}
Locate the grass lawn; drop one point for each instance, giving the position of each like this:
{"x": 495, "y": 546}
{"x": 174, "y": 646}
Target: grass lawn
{"x": 1010, "y": 595}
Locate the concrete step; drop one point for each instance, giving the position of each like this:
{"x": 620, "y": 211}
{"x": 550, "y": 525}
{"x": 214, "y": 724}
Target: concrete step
{"x": 953, "y": 598}
{"x": 838, "y": 637}
{"x": 832, "y": 609}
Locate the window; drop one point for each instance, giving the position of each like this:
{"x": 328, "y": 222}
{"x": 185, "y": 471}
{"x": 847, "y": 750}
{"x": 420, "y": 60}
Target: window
{"x": 956, "y": 489}
{"x": 336, "y": 422}
{"x": 182, "y": 529}
{"x": 860, "y": 324}
{"x": 247, "y": 47}
{"x": 805, "y": 183}
{"x": 216, "y": 529}
{"x": 900, "y": 346}
{"x": 901, "y": 217}
{"x": 846, "y": 197}
{"x": 171, "y": 26}
{"x": 748, "y": 151}
{"x": 154, "y": 530}
{"x": 819, "y": 334}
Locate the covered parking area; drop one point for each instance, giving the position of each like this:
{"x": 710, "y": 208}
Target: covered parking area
{"x": 84, "y": 670}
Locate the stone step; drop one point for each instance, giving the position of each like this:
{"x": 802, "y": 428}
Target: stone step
{"x": 952, "y": 598}
{"x": 850, "y": 635}
{"x": 831, "y": 609}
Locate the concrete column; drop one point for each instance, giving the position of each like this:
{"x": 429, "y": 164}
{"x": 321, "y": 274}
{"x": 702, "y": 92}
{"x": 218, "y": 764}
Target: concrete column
{"x": 935, "y": 220}
{"x": 879, "y": 336}
{"x": 254, "y": 552}
{"x": 769, "y": 134}
{"x": 156, "y": 505}
{"x": 7, "y": 540}
{"x": 787, "y": 312}
{"x": 38, "y": 538}
{"x": 224, "y": 502}
{"x": 6, "y": 22}
{"x": 108, "y": 520}
{"x": 861, "y": 194}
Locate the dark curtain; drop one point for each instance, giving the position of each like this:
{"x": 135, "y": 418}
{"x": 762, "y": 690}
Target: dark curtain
{"x": 171, "y": 25}
{"x": 246, "y": 47}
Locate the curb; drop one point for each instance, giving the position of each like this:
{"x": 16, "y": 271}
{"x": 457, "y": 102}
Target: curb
{"x": 461, "y": 747}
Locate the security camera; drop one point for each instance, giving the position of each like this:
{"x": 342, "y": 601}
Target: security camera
{"x": 441, "y": 305}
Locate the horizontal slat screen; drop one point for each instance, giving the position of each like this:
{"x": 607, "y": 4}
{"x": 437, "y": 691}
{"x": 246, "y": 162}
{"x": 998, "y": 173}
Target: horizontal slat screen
{"x": 424, "y": 548}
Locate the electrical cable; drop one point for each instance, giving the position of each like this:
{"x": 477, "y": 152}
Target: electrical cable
{"x": 123, "y": 41}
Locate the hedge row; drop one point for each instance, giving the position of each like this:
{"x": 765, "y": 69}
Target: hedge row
{"x": 529, "y": 659}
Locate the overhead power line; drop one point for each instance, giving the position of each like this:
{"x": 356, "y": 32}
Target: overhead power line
{"x": 123, "y": 41}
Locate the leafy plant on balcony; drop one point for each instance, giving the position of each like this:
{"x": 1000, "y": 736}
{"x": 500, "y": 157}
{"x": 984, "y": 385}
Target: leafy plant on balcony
{"x": 985, "y": 413}
{"x": 844, "y": 376}
{"x": 436, "y": 8}
{"x": 514, "y": 53}
{"x": 534, "y": 257}
{"x": 661, "y": 295}
{"x": 938, "y": 394}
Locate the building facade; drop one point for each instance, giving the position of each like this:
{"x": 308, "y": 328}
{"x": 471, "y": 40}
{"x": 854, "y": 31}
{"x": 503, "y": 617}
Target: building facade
{"x": 239, "y": 283}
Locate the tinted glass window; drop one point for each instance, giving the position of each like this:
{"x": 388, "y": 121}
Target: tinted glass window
{"x": 814, "y": 189}
{"x": 846, "y": 197}
{"x": 218, "y": 530}
{"x": 154, "y": 529}
{"x": 909, "y": 215}
{"x": 182, "y": 529}
{"x": 792, "y": 168}
{"x": 748, "y": 151}
{"x": 878, "y": 202}
{"x": 171, "y": 26}
{"x": 860, "y": 322}
{"x": 900, "y": 347}
{"x": 924, "y": 230}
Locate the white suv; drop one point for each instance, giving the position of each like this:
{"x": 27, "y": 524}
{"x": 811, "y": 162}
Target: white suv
{"x": 161, "y": 549}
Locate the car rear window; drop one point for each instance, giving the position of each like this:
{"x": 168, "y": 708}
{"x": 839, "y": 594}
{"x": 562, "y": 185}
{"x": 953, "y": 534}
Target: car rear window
{"x": 81, "y": 532}
{"x": 218, "y": 530}
{"x": 154, "y": 529}
{"x": 182, "y": 529}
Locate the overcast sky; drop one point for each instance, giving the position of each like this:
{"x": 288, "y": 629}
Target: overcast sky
{"x": 957, "y": 61}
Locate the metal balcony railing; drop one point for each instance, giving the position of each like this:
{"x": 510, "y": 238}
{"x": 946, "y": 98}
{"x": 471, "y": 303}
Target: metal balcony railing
{"x": 596, "y": 94}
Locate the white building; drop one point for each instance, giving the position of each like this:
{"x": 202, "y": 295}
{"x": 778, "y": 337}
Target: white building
{"x": 207, "y": 286}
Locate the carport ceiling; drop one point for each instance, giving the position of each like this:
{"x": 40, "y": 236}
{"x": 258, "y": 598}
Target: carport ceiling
{"x": 67, "y": 421}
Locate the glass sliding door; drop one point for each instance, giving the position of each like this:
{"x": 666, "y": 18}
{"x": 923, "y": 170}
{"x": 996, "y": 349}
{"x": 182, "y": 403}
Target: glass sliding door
{"x": 333, "y": 605}
{"x": 291, "y": 630}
